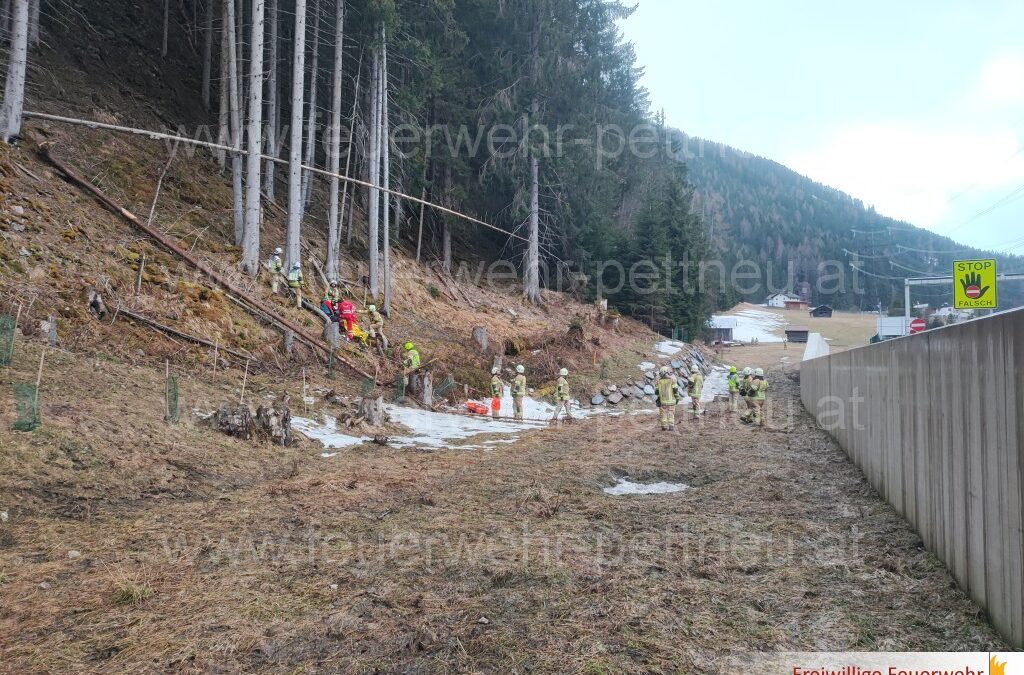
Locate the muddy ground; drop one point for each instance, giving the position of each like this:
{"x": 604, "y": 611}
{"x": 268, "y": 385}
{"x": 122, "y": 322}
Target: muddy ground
{"x": 510, "y": 560}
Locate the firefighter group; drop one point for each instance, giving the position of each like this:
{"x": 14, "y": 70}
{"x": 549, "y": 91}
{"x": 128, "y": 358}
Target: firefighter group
{"x": 750, "y": 385}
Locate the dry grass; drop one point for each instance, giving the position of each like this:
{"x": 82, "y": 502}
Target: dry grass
{"x": 241, "y": 557}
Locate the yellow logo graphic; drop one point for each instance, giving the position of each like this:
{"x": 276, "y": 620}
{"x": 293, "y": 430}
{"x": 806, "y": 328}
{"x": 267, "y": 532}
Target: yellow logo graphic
{"x": 994, "y": 667}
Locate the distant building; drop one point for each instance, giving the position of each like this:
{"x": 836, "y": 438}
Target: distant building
{"x": 888, "y": 327}
{"x": 822, "y": 312}
{"x": 797, "y": 333}
{"x": 779, "y": 300}
{"x": 722, "y": 328}
{"x": 950, "y": 315}
{"x": 801, "y": 305}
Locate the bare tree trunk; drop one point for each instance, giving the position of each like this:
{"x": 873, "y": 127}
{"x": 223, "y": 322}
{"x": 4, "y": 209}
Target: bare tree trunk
{"x": 307, "y": 177}
{"x": 385, "y": 139}
{"x": 373, "y": 172}
{"x": 33, "y": 23}
{"x": 446, "y": 230}
{"x": 14, "y": 90}
{"x": 531, "y": 273}
{"x": 167, "y": 21}
{"x": 207, "y": 54}
{"x": 236, "y": 122}
{"x": 224, "y": 108}
{"x": 345, "y": 189}
{"x": 251, "y": 245}
{"x": 272, "y": 100}
{"x": 333, "y": 232}
{"x": 293, "y": 252}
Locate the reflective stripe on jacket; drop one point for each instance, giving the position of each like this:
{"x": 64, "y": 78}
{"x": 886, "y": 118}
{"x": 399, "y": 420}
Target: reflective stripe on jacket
{"x": 519, "y": 386}
{"x": 758, "y": 388}
{"x": 734, "y": 382}
{"x": 496, "y": 387}
{"x": 295, "y": 278}
{"x": 275, "y": 265}
{"x": 412, "y": 359}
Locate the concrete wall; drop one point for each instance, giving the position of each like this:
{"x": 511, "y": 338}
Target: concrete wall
{"x": 936, "y": 423}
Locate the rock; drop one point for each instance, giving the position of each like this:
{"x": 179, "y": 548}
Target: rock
{"x": 3, "y": 517}
{"x": 627, "y": 391}
{"x": 74, "y": 554}
{"x": 648, "y": 399}
{"x": 649, "y": 390}
{"x": 615, "y": 398}
{"x": 141, "y": 354}
{"x": 649, "y": 374}
{"x": 44, "y": 585}
{"x": 597, "y": 400}
{"x": 18, "y": 210}
{"x": 638, "y": 392}
{"x": 677, "y": 364}
{"x": 23, "y": 252}
{"x": 613, "y": 388}
{"x": 606, "y": 391}
{"x": 334, "y": 587}
{"x": 484, "y": 620}
{"x": 18, "y": 227}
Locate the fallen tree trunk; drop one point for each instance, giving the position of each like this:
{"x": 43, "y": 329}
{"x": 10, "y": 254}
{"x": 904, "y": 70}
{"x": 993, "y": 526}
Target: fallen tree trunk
{"x": 166, "y": 242}
{"x": 185, "y": 336}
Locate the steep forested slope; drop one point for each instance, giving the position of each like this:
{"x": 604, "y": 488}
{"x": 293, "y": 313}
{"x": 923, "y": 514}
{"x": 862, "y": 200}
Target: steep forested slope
{"x": 762, "y": 211}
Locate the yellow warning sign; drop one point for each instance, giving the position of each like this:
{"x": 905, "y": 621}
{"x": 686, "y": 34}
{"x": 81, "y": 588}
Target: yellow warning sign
{"x": 974, "y": 284}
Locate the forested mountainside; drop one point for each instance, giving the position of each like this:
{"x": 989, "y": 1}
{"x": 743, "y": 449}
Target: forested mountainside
{"x": 757, "y": 209}
{"x": 494, "y": 109}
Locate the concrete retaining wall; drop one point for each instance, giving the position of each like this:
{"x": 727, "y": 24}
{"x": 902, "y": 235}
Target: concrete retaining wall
{"x": 936, "y": 423}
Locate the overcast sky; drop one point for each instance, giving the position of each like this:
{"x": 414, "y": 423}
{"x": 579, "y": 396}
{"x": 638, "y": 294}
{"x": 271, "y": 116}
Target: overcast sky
{"x": 915, "y": 106}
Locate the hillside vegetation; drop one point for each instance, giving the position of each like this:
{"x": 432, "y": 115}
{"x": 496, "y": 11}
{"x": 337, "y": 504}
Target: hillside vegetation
{"x": 759, "y": 210}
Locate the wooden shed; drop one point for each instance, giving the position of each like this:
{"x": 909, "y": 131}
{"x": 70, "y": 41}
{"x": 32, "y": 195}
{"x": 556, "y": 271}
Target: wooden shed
{"x": 797, "y": 333}
{"x": 822, "y": 312}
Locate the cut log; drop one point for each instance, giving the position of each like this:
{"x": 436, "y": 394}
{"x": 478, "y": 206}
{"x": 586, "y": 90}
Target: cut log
{"x": 184, "y": 336}
{"x": 428, "y": 390}
{"x": 251, "y": 304}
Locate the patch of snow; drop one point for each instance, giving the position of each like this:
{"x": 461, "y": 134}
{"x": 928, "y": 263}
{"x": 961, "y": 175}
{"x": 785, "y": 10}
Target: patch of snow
{"x": 627, "y": 487}
{"x": 647, "y": 365}
{"x": 326, "y": 433}
{"x": 760, "y": 325}
{"x": 669, "y": 347}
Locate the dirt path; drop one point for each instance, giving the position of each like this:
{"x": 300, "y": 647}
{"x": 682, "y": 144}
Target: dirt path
{"x": 505, "y": 560}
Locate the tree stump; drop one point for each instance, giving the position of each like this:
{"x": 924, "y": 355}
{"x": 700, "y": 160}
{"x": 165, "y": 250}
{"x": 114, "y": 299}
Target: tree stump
{"x": 428, "y": 390}
{"x": 372, "y": 411}
{"x": 480, "y": 338}
{"x": 274, "y": 421}
{"x": 289, "y": 341}
{"x": 234, "y": 420}
{"x": 94, "y": 302}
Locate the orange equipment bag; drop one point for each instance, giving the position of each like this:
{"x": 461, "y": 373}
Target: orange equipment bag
{"x": 478, "y": 408}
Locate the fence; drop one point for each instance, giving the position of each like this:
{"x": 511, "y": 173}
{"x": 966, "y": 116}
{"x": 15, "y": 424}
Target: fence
{"x": 936, "y": 423}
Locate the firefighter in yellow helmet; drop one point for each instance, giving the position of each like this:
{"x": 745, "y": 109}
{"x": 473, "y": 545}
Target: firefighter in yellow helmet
{"x": 695, "y": 389}
{"x": 276, "y": 269}
{"x": 734, "y": 387}
{"x": 666, "y": 398}
{"x": 562, "y": 400}
{"x": 410, "y": 365}
{"x": 295, "y": 281}
{"x": 497, "y": 388}
{"x": 519, "y": 391}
